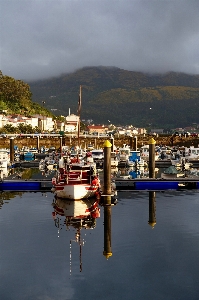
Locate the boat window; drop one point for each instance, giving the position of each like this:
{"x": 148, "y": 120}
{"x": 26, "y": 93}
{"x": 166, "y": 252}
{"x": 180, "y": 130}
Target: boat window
{"x": 97, "y": 152}
{"x": 124, "y": 151}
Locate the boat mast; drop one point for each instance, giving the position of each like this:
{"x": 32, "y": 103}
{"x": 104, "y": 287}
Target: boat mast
{"x": 79, "y": 111}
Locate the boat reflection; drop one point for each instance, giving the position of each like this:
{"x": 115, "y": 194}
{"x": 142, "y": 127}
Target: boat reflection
{"x": 77, "y": 214}
{"x": 129, "y": 173}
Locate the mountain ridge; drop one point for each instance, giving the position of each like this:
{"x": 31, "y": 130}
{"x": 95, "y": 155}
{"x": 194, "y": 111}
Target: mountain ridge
{"x": 125, "y": 97}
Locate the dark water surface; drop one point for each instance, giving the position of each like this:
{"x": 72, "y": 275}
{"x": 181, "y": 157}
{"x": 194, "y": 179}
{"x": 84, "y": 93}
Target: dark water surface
{"x": 36, "y": 261}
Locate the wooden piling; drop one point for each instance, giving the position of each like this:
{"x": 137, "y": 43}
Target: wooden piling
{"x": 12, "y": 149}
{"x": 152, "y": 209}
{"x": 112, "y": 144}
{"x": 107, "y": 168}
{"x": 131, "y": 142}
{"x": 152, "y": 143}
{"x": 107, "y": 227}
{"x": 37, "y": 143}
{"x": 60, "y": 144}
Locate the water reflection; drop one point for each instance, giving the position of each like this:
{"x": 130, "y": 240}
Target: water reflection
{"x": 152, "y": 209}
{"x": 107, "y": 227}
{"x": 76, "y": 214}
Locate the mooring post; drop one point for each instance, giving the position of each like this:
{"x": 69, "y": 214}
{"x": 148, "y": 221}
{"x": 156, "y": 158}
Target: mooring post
{"x": 152, "y": 143}
{"x": 107, "y": 227}
{"x": 152, "y": 209}
{"x": 112, "y": 143}
{"x": 107, "y": 198}
{"x": 60, "y": 144}
{"x": 135, "y": 143}
{"x": 131, "y": 142}
{"x": 38, "y": 143}
{"x": 107, "y": 168}
{"x": 11, "y": 149}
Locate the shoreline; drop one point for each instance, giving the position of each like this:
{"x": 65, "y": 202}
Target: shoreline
{"x": 98, "y": 142}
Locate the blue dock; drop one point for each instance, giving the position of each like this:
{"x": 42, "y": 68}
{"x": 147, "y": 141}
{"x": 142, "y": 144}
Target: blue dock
{"x": 150, "y": 184}
{"x": 137, "y": 184}
{"x": 29, "y": 185}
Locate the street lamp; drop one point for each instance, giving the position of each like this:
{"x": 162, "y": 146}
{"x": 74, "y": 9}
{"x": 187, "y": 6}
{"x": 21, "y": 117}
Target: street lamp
{"x": 43, "y": 102}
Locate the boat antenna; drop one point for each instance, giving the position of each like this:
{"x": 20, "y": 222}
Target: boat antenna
{"x": 79, "y": 112}
{"x": 81, "y": 243}
{"x": 80, "y": 250}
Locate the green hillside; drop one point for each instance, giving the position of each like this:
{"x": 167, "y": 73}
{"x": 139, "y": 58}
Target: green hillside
{"x": 16, "y": 98}
{"x": 123, "y": 97}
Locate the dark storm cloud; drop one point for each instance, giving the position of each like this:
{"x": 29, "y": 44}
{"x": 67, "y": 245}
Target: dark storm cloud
{"x": 44, "y": 38}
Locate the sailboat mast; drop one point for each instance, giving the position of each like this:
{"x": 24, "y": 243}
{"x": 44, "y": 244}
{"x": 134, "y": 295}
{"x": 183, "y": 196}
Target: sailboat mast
{"x": 79, "y": 111}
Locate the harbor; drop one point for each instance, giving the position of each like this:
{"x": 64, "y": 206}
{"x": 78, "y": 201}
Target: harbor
{"x": 177, "y": 165}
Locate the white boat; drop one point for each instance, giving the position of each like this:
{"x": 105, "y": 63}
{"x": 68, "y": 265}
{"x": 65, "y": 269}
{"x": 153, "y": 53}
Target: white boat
{"x": 114, "y": 160}
{"x": 97, "y": 154}
{"x": 181, "y": 163}
{"x": 33, "y": 150}
{"x": 144, "y": 153}
{"x": 192, "y": 153}
{"x": 76, "y": 181}
{"x": 123, "y": 154}
{"x": 4, "y": 158}
{"x": 51, "y": 164}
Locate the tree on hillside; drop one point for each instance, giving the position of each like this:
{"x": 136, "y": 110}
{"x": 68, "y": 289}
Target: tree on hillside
{"x": 23, "y": 128}
{"x": 16, "y": 97}
{"x": 9, "y": 128}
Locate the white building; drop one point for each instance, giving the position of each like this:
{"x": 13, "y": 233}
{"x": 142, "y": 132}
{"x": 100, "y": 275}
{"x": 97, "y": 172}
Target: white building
{"x": 70, "y": 128}
{"x": 72, "y": 119}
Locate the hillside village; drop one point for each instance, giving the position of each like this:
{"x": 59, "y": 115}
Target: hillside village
{"x": 69, "y": 124}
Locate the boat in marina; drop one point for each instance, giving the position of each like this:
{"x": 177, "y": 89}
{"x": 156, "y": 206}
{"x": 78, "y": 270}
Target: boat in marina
{"x": 97, "y": 154}
{"x": 4, "y": 158}
{"x": 192, "y": 153}
{"x": 172, "y": 172}
{"x": 76, "y": 181}
{"x": 134, "y": 159}
{"x": 75, "y": 178}
{"x": 123, "y": 155}
{"x": 114, "y": 160}
{"x": 144, "y": 153}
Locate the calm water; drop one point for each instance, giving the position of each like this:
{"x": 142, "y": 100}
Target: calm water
{"x": 37, "y": 262}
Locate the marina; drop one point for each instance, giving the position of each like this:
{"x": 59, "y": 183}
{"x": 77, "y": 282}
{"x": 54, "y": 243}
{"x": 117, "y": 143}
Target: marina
{"x": 133, "y": 200}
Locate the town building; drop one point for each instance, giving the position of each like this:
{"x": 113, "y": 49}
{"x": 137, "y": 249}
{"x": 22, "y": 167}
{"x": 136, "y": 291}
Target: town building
{"x": 97, "y": 128}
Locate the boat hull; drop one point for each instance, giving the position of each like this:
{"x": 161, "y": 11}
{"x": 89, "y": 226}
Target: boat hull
{"x": 75, "y": 191}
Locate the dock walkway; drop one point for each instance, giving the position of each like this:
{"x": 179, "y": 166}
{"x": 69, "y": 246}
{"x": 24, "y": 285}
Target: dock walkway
{"x": 159, "y": 184}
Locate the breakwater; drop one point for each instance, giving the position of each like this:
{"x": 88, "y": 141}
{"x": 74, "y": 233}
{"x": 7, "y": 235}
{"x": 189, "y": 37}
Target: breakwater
{"x": 98, "y": 142}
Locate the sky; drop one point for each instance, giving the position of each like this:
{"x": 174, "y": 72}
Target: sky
{"x": 46, "y": 38}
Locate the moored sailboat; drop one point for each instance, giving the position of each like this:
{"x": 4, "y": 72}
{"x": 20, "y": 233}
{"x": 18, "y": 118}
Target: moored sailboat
{"x": 75, "y": 178}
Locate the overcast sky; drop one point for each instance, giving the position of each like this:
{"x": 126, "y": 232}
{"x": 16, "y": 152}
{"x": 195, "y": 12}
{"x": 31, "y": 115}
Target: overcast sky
{"x": 45, "y": 38}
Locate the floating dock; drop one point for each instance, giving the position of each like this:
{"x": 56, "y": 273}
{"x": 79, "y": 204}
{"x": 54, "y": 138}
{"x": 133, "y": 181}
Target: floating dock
{"x": 26, "y": 164}
{"x": 159, "y": 184}
{"x": 29, "y": 185}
